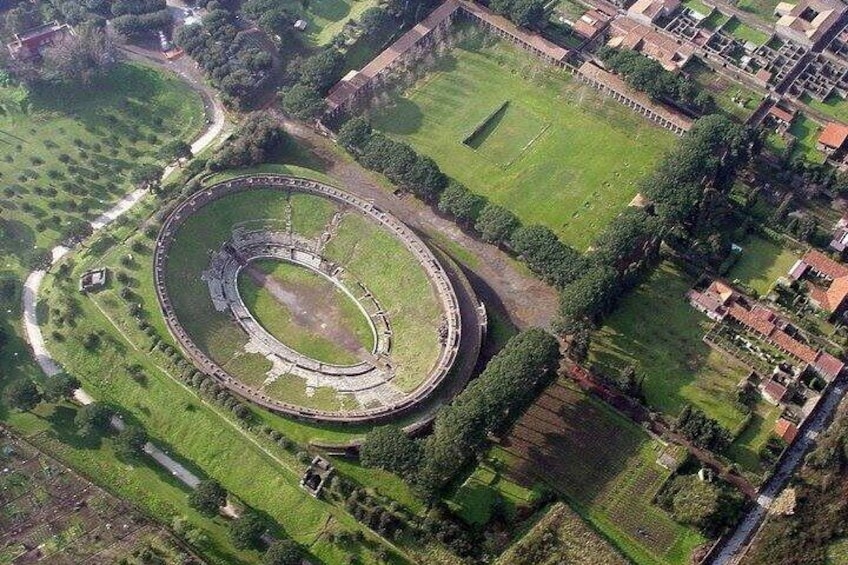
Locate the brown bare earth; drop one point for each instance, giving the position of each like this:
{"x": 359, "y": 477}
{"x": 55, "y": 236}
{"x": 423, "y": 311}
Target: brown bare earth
{"x": 310, "y": 309}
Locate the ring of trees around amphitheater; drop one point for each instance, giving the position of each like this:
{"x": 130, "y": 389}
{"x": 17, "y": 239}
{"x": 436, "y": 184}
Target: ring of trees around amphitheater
{"x": 306, "y": 300}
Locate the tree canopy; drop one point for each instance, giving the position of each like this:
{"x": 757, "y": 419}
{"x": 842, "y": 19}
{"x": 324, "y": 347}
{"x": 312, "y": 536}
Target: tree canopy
{"x": 208, "y": 497}
{"x": 246, "y": 531}
{"x": 22, "y": 395}
{"x": 59, "y": 387}
{"x": 389, "y": 448}
{"x": 282, "y": 552}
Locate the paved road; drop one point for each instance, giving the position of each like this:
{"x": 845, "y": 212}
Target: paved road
{"x": 733, "y": 550}
{"x": 216, "y": 118}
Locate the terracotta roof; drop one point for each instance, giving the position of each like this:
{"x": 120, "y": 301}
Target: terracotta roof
{"x": 824, "y": 264}
{"x": 748, "y": 319}
{"x": 834, "y": 135}
{"x": 781, "y": 114}
{"x": 785, "y": 430}
{"x": 354, "y": 81}
{"x": 774, "y": 390}
{"x": 724, "y": 291}
{"x": 707, "y": 301}
{"x": 591, "y": 23}
{"x": 793, "y": 346}
{"x": 828, "y": 365}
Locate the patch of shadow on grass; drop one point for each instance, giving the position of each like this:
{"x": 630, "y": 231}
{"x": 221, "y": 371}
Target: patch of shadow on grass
{"x": 412, "y": 118}
{"x": 332, "y": 10}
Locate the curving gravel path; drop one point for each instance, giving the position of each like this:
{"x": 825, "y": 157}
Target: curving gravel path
{"x": 216, "y": 117}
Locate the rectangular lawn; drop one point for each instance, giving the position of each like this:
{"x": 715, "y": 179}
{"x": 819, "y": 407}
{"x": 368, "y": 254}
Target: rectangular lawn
{"x": 657, "y": 331}
{"x": 561, "y": 154}
{"x": 761, "y": 263}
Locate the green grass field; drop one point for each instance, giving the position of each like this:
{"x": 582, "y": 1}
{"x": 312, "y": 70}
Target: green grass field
{"x": 279, "y": 320}
{"x": 660, "y": 334}
{"x": 744, "y": 33}
{"x": 561, "y": 536}
{"x": 833, "y": 106}
{"x": 761, "y": 263}
{"x": 326, "y": 18}
{"x": 370, "y": 254}
{"x": 67, "y": 151}
{"x": 605, "y": 467}
{"x": 698, "y": 6}
{"x": 575, "y": 177}
{"x": 656, "y": 330}
{"x": 380, "y": 261}
{"x": 807, "y": 132}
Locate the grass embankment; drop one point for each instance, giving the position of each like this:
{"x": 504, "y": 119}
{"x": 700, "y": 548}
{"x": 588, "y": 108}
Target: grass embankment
{"x": 376, "y": 258}
{"x": 578, "y": 155}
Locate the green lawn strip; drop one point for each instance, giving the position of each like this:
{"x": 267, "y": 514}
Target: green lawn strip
{"x": 326, "y": 18}
{"x": 746, "y": 447}
{"x": 279, "y": 320}
{"x": 698, "y": 6}
{"x": 176, "y": 417}
{"x": 475, "y": 499}
{"x": 269, "y": 168}
{"x": 744, "y": 33}
{"x": 656, "y": 330}
{"x": 806, "y": 132}
{"x": 761, "y": 263}
{"x": 378, "y": 260}
{"x": 575, "y": 177}
{"x": 762, "y": 8}
{"x": 67, "y": 150}
{"x": 833, "y": 106}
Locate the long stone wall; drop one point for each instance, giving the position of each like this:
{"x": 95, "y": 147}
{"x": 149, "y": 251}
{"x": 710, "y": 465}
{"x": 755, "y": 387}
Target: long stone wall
{"x": 426, "y": 259}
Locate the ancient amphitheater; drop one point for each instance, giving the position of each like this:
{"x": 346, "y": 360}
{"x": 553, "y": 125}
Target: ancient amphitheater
{"x": 369, "y": 381}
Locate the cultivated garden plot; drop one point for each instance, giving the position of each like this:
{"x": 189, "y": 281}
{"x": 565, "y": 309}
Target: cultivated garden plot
{"x": 527, "y": 136}
{"x": 606, "y": 468}
{"x": 50, "y": 514}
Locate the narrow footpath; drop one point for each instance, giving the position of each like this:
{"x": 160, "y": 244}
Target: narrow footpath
{"x": 216, "y": 120}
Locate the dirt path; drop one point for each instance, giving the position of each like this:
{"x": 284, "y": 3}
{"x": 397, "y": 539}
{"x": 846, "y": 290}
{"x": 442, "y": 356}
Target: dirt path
{"x": 528, "y": 301}
{"x": 310, "y": 310}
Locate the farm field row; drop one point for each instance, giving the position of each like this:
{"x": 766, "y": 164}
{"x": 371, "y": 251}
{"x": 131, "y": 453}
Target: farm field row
{"x": 604, "y": 466}
{"x": 561, "y": 154}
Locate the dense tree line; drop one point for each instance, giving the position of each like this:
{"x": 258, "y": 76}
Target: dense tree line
{"x": 702, "y": 430}
{"x": 510, "y": 381}
{"x": 256, "y": 140}
{"x": 538, "y": 246}
{"x": 703, "y": 163}
{"x": 525, "y": 13}
{"x": 650, "y": 77}
{"x": 236, "y": 66}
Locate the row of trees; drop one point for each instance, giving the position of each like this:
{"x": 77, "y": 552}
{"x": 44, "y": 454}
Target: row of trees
{"x": 248, "y": 530}
{"x": 525, "y": 13}
{"x": 681, "y": 214}
{"x": 234, "y": 64}
{"x": 537, "y": 245}
{"x": 650, "y": 77}
{"x": 488, "y": 405}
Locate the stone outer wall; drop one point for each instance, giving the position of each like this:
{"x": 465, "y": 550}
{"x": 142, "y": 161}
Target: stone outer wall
{"x": 435, "y": 272}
